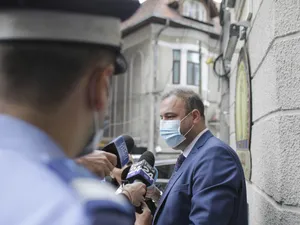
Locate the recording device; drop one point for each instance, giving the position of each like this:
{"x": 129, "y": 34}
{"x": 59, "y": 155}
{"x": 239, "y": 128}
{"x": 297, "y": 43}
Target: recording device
{"x": 115, "y": 148}
{"x": 129, "y": 142}
{"x": 112, "y": 148}
{"x": 120, "y": 147}
{"x": 151, "y": 205}
{"x": 149, "y": 201}
{"x": 143, "y": 170}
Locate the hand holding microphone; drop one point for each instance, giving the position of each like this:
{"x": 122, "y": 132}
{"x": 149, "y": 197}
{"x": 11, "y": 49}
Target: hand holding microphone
{"x": 99, "y": 162}
{"x": 153, "y": 193}
{"x": 121, "y": 147}
{"x": 135, "y": 193}
{"x": 115, "y": 154}
{"x": 145, "y": 218}
{"x": 141, "y": 172}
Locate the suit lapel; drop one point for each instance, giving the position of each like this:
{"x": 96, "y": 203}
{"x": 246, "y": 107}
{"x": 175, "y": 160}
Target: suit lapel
{"x": 202, "y": 140}
{"x": 171, "y": 183}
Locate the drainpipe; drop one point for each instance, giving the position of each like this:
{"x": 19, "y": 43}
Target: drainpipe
{"x": 155, "y": 76}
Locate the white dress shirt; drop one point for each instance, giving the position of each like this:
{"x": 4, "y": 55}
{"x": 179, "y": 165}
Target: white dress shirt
{"x": 189, "y": 148}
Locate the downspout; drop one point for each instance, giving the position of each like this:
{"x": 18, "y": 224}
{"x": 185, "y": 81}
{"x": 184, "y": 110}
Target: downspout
{"x": 155, "y": 76}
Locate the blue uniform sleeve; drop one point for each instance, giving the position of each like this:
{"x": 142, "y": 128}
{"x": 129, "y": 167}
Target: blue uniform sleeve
{"x": 215, "y": 188}
{"x": 112, "y": 216}
{"x": 100, "y": 202}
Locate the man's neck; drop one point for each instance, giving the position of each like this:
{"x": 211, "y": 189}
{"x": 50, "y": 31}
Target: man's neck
{"x": 196, "y": 132}
{"x": 189, "y": 148}
{"x": 50, "y": 124}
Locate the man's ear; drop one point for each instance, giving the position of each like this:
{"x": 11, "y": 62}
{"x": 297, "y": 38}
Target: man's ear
{"x": 99, "y": 87}
{"x": 196, "y": 116}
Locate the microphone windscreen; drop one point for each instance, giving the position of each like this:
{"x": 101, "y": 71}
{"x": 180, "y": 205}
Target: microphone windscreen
{"x": 148, "y": 157}
{"x": 118, "y": 147}
{"x": 129, "y": 143}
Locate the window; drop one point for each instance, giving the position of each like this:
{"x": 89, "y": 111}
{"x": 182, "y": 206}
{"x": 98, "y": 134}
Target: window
{"x": 195, "y": 10}
{"x": 193, "y": 68}
{"x": 200, "y": 11}
{"x": 176, "y": 66}
{"x": 187, "y": 9}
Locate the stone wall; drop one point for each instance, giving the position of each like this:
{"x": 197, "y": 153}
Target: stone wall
{"x": 274, "y": 54}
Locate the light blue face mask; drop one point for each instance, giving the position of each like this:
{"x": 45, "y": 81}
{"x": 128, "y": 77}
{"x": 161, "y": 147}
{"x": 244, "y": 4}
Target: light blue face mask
{"x": 170, "y": 132}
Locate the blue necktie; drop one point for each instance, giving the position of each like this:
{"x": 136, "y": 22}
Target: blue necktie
{"x": 179, "y": 162}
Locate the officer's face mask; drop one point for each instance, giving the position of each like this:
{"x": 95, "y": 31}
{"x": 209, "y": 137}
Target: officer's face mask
{"x": 94, "y": 139}
{"x": 98, "y": 131}
{"x": 170, "y": 131}
{"x": 99, "y": 123}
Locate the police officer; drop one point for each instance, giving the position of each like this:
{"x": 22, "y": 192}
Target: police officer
{"x": 56, "y": 61}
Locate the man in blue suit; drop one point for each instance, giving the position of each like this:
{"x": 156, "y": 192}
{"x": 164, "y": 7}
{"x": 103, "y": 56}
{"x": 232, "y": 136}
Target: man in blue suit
{"x": 208, "y": 185}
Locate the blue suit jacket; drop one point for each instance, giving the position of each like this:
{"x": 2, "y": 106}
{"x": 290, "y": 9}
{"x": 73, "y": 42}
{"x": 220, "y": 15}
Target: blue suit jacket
{"x": 208, "y": 189}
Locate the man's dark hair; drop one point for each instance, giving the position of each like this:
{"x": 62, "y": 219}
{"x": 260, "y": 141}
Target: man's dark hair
{"x": 42, "y": 74}
{"x": 191, "y": 99}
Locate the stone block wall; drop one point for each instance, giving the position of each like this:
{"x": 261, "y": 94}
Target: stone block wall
{"x": 274, "y": 54}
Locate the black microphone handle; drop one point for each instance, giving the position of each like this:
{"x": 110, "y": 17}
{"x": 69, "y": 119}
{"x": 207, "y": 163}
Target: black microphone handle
{"x": 151, "y": 205}
{"x": 138, "y": 209}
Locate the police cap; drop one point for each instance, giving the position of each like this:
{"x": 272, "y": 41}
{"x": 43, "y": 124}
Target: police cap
{"x": 95, "y": 22}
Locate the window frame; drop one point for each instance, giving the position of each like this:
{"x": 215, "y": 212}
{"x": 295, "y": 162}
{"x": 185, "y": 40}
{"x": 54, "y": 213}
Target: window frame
{"x": 194, "y": 82}
{"x": 179, "y": 62}
{"x": 201, "y": 11}
{"x": 195, "y": 10}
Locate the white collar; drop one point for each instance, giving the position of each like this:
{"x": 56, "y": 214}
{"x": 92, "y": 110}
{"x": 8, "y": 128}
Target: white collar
{"x": 189, "y": 148}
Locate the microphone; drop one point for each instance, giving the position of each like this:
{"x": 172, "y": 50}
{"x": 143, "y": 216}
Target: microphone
{"x": 129, "y": 142}
{"x": 151, "y": 194}
{"x": 151, "y": 205}
{"x": 124, "y": 174}
{"x": 143, "y": 170}
{"x": 88, "y": 147}
{"x": 120, "y": 147}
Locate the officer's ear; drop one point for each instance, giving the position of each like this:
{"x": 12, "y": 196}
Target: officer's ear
{"x": 99, "y": 87}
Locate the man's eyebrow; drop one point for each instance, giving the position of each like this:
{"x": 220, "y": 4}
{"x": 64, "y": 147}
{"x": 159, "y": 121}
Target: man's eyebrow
{"x": 168, "y": 113}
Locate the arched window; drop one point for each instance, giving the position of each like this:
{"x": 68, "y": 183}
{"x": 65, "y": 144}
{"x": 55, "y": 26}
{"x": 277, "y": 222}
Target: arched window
{"x": 195, "y": 10}
{"x": 187, "y": 9}
{"x": 200, "y": 11}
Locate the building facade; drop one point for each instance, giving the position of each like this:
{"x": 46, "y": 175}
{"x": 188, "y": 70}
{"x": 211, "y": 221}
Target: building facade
{"x": 167, "y": 44}
{"x": 272, "y": 46}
